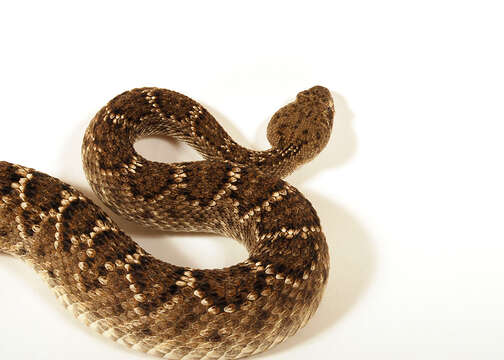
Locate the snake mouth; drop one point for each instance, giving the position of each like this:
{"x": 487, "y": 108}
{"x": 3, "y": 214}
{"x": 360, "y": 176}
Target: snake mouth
{"x": 329, "y": 112}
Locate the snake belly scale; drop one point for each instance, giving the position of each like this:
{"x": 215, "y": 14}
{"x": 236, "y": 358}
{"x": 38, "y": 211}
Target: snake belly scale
{"x": 112, "y": 285}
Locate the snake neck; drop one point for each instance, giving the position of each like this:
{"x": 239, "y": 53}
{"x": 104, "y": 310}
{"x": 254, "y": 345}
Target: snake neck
{"x": 297, "y": 132}
{"x": 276, "y": 162}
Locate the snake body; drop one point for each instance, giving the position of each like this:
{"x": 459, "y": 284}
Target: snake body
{"x": 111, "y": 284}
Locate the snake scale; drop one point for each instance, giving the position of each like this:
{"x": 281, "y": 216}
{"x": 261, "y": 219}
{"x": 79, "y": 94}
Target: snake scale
{"x": 112, "y": 285}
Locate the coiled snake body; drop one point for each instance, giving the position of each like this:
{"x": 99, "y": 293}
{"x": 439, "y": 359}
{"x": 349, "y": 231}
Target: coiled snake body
{"x": 111, "y": 284}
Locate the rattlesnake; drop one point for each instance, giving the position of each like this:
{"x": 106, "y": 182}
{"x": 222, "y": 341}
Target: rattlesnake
{"x": 111, "y": 284}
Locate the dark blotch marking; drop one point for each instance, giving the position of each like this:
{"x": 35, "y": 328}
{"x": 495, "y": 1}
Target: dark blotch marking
{"x": 7, "y": 177}
{"x": 214, "y": 337}
{"x": 147, "y": 331}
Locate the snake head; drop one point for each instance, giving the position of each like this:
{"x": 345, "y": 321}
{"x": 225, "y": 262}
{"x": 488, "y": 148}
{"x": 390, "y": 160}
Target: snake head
{"x": 303, "y": 125}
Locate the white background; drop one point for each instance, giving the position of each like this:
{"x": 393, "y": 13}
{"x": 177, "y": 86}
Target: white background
{"x": 409, "y": 189}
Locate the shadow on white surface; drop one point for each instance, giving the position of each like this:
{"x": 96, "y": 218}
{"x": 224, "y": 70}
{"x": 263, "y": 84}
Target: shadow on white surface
{"x": 352, "y": 256}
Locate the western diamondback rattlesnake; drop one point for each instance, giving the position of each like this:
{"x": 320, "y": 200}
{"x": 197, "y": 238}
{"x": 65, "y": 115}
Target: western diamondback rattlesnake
{"x": 111, "y": 284}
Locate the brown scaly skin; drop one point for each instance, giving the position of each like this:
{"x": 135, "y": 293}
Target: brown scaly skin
{"x": 114, "y": 286}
